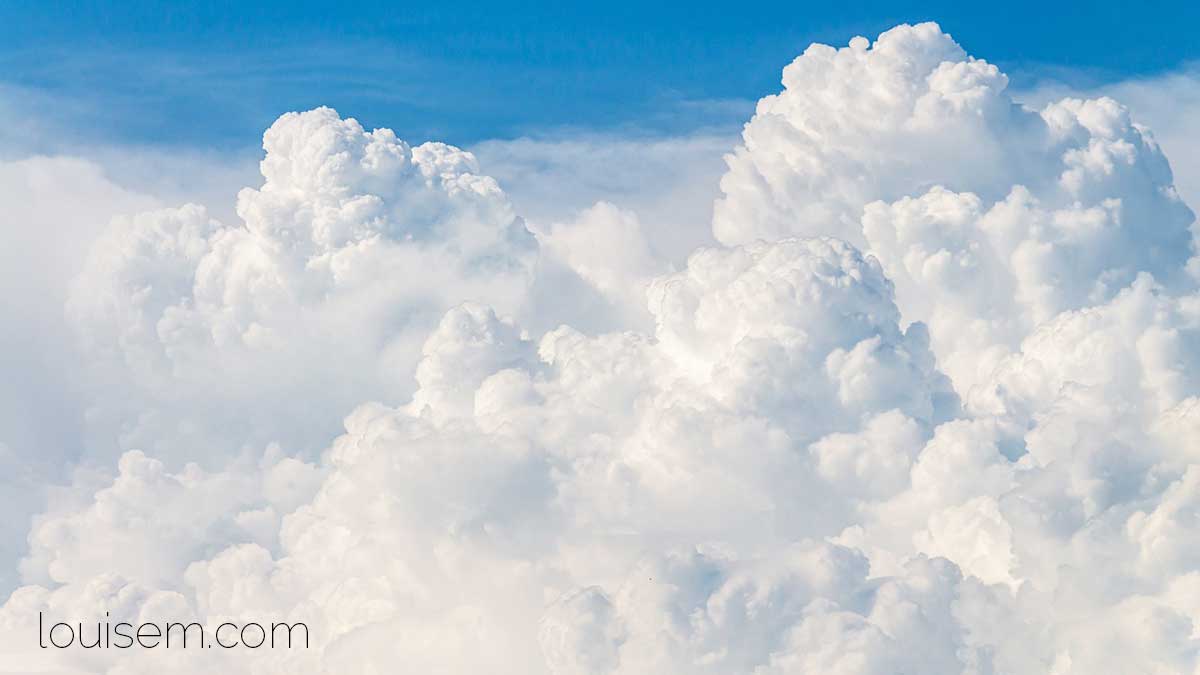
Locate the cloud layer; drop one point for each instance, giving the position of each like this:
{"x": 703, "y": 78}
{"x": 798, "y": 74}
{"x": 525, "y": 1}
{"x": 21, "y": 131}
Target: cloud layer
{"x": 930, "y": 404}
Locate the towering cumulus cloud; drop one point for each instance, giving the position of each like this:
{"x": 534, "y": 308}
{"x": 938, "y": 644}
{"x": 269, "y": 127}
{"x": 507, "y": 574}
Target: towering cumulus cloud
{"x": 990, "y": 218}
{"x": 931, "y": 406}
{"x": 205, "y": 335}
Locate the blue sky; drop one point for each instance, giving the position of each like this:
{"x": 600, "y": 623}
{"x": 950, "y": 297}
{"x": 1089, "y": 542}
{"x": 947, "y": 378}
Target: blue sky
{"x": 214, "y": 74}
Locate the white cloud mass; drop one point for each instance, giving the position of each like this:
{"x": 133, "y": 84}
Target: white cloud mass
{"x": 930, "y": 403}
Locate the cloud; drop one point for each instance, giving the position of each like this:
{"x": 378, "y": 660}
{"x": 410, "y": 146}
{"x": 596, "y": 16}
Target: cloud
{"x": 929, "y": 405}
{"x": 527, "y": 459}
{"x": 51, "y": 209}
{"x": 898, "y": 147}
{"x": 344, "y": 258}
{"x": 1165, "y": 103}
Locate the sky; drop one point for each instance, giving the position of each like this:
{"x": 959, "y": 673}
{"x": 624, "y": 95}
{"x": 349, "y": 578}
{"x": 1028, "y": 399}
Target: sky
{"x": 543, "y": 340}
{"x": 211, "y": 73}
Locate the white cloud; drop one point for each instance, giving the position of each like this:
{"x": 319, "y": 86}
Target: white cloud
{"x": 1167, "y": 104}
{"x": 345, "y": 257}
{"x": 968, "y": 449}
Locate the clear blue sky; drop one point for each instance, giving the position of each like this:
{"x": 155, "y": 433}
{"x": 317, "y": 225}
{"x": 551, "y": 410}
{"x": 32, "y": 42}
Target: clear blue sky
{"x": 216, "y": 73}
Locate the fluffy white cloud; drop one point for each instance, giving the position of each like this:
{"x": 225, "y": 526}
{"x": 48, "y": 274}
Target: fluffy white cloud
{"x": 989, "y": 217}
{"x": 969, "y": 449}
{"x": 345, "y": 257}
{"x": 519, "y": 470}
{"x": 1166, "y": 103}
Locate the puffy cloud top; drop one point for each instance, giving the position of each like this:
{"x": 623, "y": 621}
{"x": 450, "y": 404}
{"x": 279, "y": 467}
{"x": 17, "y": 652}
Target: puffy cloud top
{"x": 347, "y": 255}
{"x": 988, "y": 216}
{"x": 912, "y": 112}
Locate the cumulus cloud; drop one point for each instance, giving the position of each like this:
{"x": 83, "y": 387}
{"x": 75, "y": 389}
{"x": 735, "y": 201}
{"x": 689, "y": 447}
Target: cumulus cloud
{"x": 930, "y": 404}
{"x": 1165, "y": 102}
{"x": 319, "y": 298}
{"x": 989, "y": 217}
